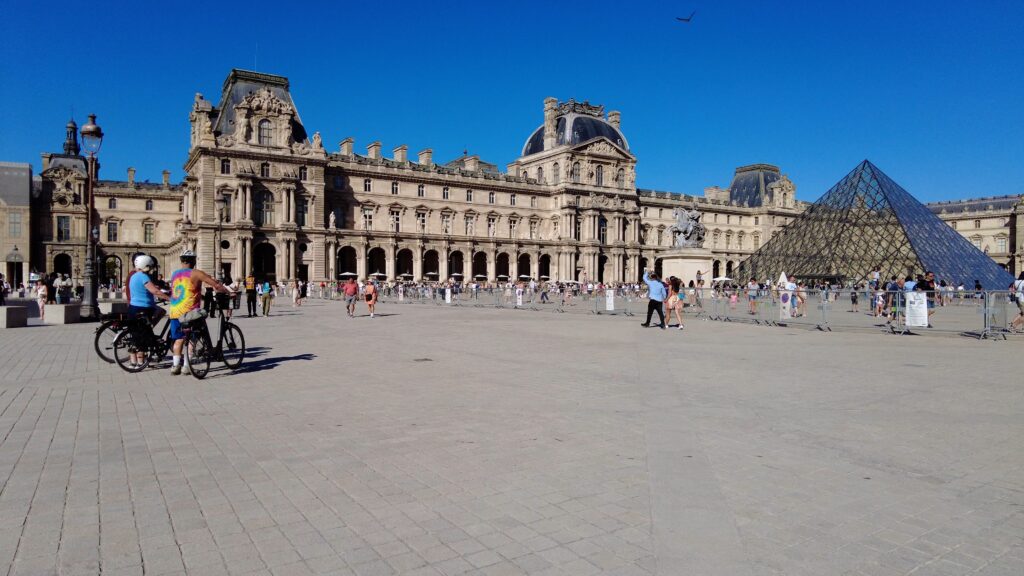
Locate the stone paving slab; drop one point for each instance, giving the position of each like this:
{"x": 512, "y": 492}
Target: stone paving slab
{"x": 472, "y": 441}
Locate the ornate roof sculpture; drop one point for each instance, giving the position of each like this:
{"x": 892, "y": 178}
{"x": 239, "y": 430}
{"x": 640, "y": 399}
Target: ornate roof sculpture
{"x": 868, "y": 220}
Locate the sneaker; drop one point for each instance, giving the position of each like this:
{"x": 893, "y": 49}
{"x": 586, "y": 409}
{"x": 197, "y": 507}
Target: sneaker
{"x": 185, "y": 371}
{"x": 663, "y": 327}
{"x": 680, "y": 326}
{"x": 645, "y": 324}
{"x": 175, "y": 370}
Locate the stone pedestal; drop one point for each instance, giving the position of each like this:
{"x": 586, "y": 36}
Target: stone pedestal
{"x": 113, "y": 307}
{"x": 13, "y": 316}
{"x": 683, "y": 263}
{"x": 63, "y": 313}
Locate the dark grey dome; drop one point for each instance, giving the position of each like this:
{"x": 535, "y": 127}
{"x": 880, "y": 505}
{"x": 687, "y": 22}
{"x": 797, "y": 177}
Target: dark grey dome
{"x": 581, "y": 128}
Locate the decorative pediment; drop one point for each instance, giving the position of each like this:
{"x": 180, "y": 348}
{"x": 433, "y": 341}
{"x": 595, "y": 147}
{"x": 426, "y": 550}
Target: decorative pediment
{"x": 422, "y": 208}
{"x": 62, "y": 173}
{"x": 602, "y": 146}
{"x": 265, "y": 101}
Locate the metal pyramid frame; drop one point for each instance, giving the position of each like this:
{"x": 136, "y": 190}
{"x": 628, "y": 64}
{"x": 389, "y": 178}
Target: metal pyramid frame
{"x": 865, "y": 221}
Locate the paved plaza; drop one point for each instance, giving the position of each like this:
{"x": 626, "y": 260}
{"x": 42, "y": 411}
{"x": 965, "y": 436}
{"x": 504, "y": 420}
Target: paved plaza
{"x": 436, "y": 441}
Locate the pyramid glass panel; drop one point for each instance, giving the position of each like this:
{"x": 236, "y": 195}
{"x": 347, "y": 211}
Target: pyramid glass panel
{"x": 866, "y": 221}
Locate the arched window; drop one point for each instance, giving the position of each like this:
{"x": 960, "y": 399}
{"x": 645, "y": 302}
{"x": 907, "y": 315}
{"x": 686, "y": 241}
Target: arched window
{"x": 512, "y": 199}
{"x": 469, "y": 195}
{"x": 265, "y": 170}
{"x": 149, "y": 205}
{"x": 599, "y": 176}
{"x": 302, "y": 173}
{"x": 525, "y": 175}
{"x": 112, "y": 204}
{"x": 556, "y": 176}
{"x": 490, "y": 197}
{"x": 575, "y": 172}
{"x": 394, "y": 188}
{"x": 540, "y": 174}
{"x": 620, "y": 178}
{"x": 225, "y": 166}
{"x": 444, "y": 193}
{"x": 421, "y": 190}
{"x": 266, "y": 133}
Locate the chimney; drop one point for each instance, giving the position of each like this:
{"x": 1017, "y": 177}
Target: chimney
{"x": 167, "y": 178}
{"x": 615, "y": 118}
{"x": 345, "y": 146}
{"x": 426, "y": 157}
{"x": 373, "y": 150}
{"x": 471, "y": 163}
{"x": 401, "y": 154}
{"x": 131, "y": 176}
{"x": 550, "y": 111}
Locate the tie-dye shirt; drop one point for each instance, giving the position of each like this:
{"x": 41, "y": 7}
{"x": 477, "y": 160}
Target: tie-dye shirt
{"x": 184, "y": 295}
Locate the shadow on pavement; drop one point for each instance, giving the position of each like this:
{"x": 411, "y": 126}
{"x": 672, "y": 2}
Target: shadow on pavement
{"x": 254, "y": 363}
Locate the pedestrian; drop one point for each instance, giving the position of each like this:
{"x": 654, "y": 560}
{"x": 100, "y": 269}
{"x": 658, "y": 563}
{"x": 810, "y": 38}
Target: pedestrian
{"x": 3, "y": 290}
{"x": 370, "y": 294}
{"x": 675, "y": 300}
{"x": 303, "y": 292}
{"x": 351, "y": 290}
{"x": 41, "y": 296}
{"x": 927, "y": 285}
{"x": 752, "y": 288}
{"x": 655, "y": 297}
{"x": 1018, "y": 296}
{"x": 854, "y": 306}
{"x": 296, "y": 301}
{"x": 250, "y": 296}
{"x": 266, "y": 297}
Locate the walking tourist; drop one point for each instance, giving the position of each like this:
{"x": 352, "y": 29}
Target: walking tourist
{"x": 675, "y": 300}
{"x": 3, "y": 291}
{"x": 186, "y": 283}
{"x": 370, "y": 294}
{"x": 655, "y": 297}
{"x": 854, "y": 306}
{"x": 250, "y": 296}
{"x": 41, "y": 295}
{"x": 351, "y": 290}
{"x": 296, "y": 298}
{"x": 1018, "y": 295}
{"x": 266, "y": 297}
{"x": 752, "y": 289}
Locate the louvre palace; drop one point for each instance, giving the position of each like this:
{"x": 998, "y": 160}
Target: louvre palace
{"x": 262, "y": 193}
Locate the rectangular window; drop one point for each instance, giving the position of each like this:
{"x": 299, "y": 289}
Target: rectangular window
{"x": 111, "y": 231}
{"x": 492, "y": 223}
{"x": 469, "y": 195}
{"x": 953, "y": 224}
{"x": 757, "y": 221}
{"x": 533, "y": 229}
{"x": 394, "y": 188}
{"x": 512, "y": 200}
{"x": 976, "y": 242}
{"x": 367, "y": 219}
{"x": 147, "y": 233}
{"x": 533, "y": 201}
{"x": 490, "y": 197}
{"x": 367, "y": 185}
{"x": 512, "y": 226}
{"x": 301, "y": 209}
{"x": 396, "y": 221}
{"x": 1001, "y": 245}
{"x": 469, "y": 225}
{"x": 225, "y": 166}
{"x": 977, "y": 223}
{"x": 421, "y": 222}
{"x": 63, "y": 227}
{"x": 444, "y": 193}
{"x": 446, "y": 223}
{"x": 421, "y": 191}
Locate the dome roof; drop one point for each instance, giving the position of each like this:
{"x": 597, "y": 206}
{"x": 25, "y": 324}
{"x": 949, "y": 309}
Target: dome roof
{"x": 574, "y": 128}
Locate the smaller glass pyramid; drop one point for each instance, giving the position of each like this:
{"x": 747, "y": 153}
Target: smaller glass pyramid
{"x": 866, "y": 221}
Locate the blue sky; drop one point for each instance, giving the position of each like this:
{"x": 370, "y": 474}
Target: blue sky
{"x": 931, "y": 92}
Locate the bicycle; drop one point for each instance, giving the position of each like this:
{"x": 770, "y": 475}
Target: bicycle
{"x": 200, "y": 351}
{"x": 136, "y": 336}
{"x": 111, "y": 325}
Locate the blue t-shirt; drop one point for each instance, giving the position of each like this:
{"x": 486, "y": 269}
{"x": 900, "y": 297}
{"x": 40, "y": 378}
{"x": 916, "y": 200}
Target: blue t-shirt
{"x": 140, "y": 296}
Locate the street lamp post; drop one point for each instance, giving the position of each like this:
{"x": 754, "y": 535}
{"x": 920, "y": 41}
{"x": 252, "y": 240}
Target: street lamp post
{"x": 92, "y": 139}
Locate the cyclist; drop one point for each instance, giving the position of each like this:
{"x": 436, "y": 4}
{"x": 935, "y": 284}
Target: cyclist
{"x": 186, "y": 295}
{"x": 142, "y": 302}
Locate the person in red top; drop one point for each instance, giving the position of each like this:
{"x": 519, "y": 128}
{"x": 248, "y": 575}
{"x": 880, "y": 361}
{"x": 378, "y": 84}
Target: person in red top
{"x": 351, "y": 290}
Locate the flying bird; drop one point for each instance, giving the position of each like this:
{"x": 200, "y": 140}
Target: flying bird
{"x": 688, "y": 18}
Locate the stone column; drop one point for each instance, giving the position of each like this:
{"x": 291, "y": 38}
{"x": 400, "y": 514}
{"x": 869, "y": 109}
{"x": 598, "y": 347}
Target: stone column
{"x": 332, "y": 262}
{"x": 417, "y": 263}
{"x": 389, "y": 262}
{"x": 311, "y": 214}
{"x": 360, "y": 260}
{"x": 291, "y": 259}
{"x": 492, "y": 265}
{"x": 442, "y": 263}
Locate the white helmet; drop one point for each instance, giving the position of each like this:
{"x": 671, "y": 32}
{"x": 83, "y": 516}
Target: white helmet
{"x": 143, "y": 262}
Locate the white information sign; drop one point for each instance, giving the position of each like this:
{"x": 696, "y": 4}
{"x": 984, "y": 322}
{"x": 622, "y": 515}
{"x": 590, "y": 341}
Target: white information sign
{"x": 917, "y": 310}
{"x": 447, "y": 295}
{"x": 609, "y": 300}
{"x": 401, "y": 293}
{"x": 519, "y": 296}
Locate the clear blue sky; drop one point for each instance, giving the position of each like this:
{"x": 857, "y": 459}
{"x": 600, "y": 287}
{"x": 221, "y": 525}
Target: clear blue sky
{"x": 930, "y": 91}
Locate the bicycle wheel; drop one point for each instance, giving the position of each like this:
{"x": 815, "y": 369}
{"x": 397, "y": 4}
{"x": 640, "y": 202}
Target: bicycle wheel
{"x": 232, "y": 346}
{"x": 199, "y": 353}
{"x": 104, "y": 341}
{"x": 123, "y": 349}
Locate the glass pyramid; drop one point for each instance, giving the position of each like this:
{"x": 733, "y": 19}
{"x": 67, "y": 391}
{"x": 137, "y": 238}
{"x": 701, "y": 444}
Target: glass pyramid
{"x": 865, "y": 221}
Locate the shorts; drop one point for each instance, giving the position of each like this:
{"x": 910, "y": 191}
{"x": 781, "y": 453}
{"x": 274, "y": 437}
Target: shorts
{"x": 752, "y": 297}
{"x": 931, "y": 304}
{"x": 369, "y": 297}
{"x": 141, "y": 312}
{"x": 350, "y": 299}
{"x": 1020, "y": 304}
{"x": 174, "y": 330}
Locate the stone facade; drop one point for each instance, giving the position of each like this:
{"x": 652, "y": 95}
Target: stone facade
{"x": 262, "y": 194}
{"x": 994, "y": 224}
